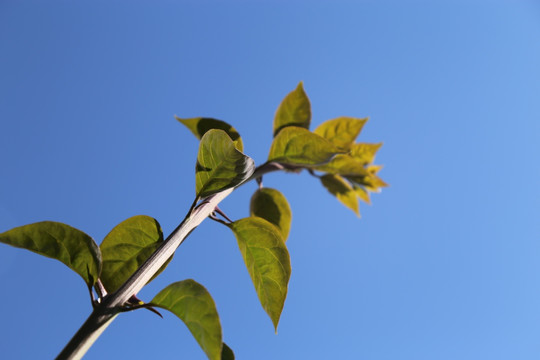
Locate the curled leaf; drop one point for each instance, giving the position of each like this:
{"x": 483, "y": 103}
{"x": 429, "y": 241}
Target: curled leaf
{"x": 220, "y": 165}
{"x": 61, "y": 242}
{"x": 192, "y": 303}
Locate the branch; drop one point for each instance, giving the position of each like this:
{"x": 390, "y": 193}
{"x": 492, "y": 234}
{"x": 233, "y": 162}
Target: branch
{"x": 111, "y": 304}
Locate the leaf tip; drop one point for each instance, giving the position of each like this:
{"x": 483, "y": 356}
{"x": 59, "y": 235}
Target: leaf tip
{"x": 179, "y": 119}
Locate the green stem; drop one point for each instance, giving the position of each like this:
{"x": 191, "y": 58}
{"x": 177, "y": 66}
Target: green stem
{"x": 111, "y": 304}
{"x": 89, "y": 332}
{"x": 103, "y": 314}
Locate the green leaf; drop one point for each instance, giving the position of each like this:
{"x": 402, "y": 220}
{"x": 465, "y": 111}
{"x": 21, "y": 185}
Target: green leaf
{"x": 298, "y": 146}
{"x": 364, "y": 152}
{"x": 192, "y": 303}
{"x": 200, "y": 126}
{"x": 227, "y": 353}
{"x": 294, "y": 110}
{"x": 271, "y": 205}
{"x": 61, "y": 242}
{"x": 267, "y": 260}
{"x": 344, "y": 164}
{"x": 341, "y": 131}
{"x": 219, "y": 164}
{"x": 342, "y": 190}
{"x": 126, "y": 247}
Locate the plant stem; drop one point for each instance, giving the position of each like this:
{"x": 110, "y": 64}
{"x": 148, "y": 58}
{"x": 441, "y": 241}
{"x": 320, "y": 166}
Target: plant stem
{"x": 111, "y": 304}
{"x": 89, "y": 332}
{"x": 103, "y": 314}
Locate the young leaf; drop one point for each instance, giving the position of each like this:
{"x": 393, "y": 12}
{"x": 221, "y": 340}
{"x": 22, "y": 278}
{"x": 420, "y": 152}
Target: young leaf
{"x": 267, "y": 261}
{"x": 342, "y": 190}
{"x": 199, "y": 126}
{"x": 298, "y": 146}
{"x": 341, "y": 131}
{"x": 126, "y": 247}
{"x": 271, "y": 205}
{"x": 362, "y": 194}
{"x": 294, "y": 110}
{"x": 61, "y": 242}
{"x": 219, "y": 164}
{"x": 370, "y": 182}
{"x": 227, "y": 353}
{"x": 374, "y": 169}
{"x": 364, "y": 152}
{"x": 192, "y": 303}
{"x": 343, "y": 164}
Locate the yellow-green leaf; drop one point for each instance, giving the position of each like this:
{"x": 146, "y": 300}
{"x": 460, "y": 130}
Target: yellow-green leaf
{"x": 126, "y": 247}
{"x": 374, "y": 169}
{"x": 298, "y": 146}
{"x": 192, "y": 303}
{"x": 370, "y": 182}
{"x": 61, "y": 242}
{"x": 343, "y": 164}
{"x": 362, "y": 194}
{"x": 271, "y": 205}
{"x": 199, "y": 126}
{"x": 341, "y": 131}
{"x": 219, "y": 164}
{"x": 294, "y": 110}
{"x": 267, "y": 260}
{"x": 342, "y": 190}
{"x": 364, "y": 152}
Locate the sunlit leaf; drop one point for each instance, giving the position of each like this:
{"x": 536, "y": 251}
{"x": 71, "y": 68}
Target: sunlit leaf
{"x": 192, "y": 303}
{"x": 343, "y": 164}
{"x": 199, "y": 126}
{"x": 374, "y": 182}
{"x": 370, "y": 182}
{"x": 227, "y": 353}
{"x": 362, "y": 194}
{"x": 342, "y": 190}
{"x": 271, "y": 205}
{"x": 294, "y": 110}
{"x": 341, "y": 131}
{"x": 374, "y": 169}
{"x": 298, "y": 146}
{"x": 364, "y": 152}
{"x": 126, "y": 247}
{"x": 267, "y": 261}
{"x": 219, "y": 164}
{"x": 61, "y": 242}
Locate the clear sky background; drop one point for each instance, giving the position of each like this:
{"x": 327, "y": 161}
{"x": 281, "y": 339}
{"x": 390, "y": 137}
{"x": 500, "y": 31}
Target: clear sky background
{"x": 444, "y": 265}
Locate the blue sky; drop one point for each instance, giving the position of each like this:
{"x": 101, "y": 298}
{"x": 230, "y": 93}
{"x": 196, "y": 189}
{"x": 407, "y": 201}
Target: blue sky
{"x": 443, "y": 265}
